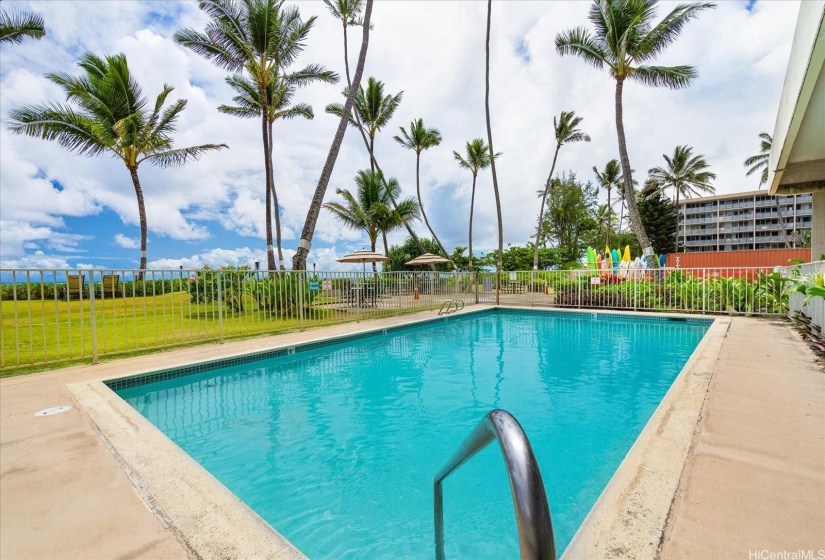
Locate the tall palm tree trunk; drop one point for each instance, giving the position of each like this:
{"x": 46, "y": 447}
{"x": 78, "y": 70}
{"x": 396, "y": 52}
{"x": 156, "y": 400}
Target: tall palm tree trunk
{"x": 609, "y": 220}
{"x": 541, "y": 209}
{"x": 781, "y": 223}
{"x": 684, "y": 221}
{"x": 142, "y": 217}
{"x": 470, "y": 240}
{"x": 629, "y": 194}
{"x": 299, "y": 260}
{"x": 423, "y": 213}
{"x": 499, "y": 259}
{"x": 276, "y": 206}
{"x": 265, "y": 131}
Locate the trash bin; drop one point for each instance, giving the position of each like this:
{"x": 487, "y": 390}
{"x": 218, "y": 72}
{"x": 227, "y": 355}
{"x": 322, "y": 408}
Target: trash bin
{"x": 487, "y": 284}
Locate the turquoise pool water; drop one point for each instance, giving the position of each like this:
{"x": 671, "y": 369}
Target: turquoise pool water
{"x": 336, "y": 447}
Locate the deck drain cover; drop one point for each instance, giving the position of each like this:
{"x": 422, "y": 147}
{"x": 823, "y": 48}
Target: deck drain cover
{"x": 52, "y": 410}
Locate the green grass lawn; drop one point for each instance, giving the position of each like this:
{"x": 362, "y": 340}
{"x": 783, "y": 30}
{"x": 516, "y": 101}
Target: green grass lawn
{"x": 50, "y": 334}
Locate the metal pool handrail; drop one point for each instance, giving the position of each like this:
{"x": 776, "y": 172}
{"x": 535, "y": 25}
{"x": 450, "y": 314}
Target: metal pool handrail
{"x": 535, "y": 528}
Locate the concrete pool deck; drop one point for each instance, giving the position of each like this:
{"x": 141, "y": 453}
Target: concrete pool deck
{"x": 753, "y": 480}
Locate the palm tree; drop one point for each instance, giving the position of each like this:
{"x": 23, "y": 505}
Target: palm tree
{"x": 349, "y": 13}
{"x": 248, "y": 104}
{"x": 106, "y": 112}
{"x": 760, "y": 162}
{"x": 478, "y": 157}
{"x": 15, "y": 27}
{"x": 500, "y": 256}
{"x": 299, "y": 260}
{"x": 261, "y": 39}
{"x": 686, "y": 174}
{"x": 373, "y": 111}
{"x": 609, "y": 179}
{"x": 566, "y": 131}
{"x": 626, "y": 41}
{"x": 604, "y": 217}
{"x": 418, "y": 139}
{"x": 371, "y": 209}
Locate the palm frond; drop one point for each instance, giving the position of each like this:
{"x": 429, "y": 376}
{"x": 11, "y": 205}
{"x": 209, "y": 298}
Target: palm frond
{"x": 579, "y": 42}
{"x": 61, "y": 123}
{"x": 668, "y": 30}
{"x": 14, "y": 27}
{"x": 179, "y": 156}
{"x": 674, "y": 77}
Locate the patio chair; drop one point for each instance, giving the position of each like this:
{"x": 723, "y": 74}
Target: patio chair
{"x": 108, "y": 285}
{"x": 74, "y": 286}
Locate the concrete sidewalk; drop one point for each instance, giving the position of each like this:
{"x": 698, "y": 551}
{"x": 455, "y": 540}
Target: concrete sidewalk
{"x": 756, "y": 480}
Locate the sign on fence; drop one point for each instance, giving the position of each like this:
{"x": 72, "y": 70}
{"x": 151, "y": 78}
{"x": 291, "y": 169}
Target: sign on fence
{"x": 327, "y": 285}
{"x": 313, "y": 285}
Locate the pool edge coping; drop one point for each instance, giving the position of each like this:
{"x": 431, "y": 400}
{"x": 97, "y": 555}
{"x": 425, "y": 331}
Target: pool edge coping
{"x": 211, "y": 522}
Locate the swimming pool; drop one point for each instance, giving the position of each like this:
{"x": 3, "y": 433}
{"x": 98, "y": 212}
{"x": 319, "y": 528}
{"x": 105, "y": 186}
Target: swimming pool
{"x": 336, "y": 446}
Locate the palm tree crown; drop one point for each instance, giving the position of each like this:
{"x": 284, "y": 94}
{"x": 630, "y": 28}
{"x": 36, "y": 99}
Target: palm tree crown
{"x": 685, "y": 173}
{"x": 15, "y": 27}
{"x": 419, "y": 138}
{"x": 626, "y": 41}
{"x": 760, "y": 160}
{"x": 375, "y": 110}
{"x": 477, "y": 156}
{"x": 348, "y": 11}
{"x": 371, "y": 208}
{"x": 566, "y": 129}
{"x": 106, "y": 112}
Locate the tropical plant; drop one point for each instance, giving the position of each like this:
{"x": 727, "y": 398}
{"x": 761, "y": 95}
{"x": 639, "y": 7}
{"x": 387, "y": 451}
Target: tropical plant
{"x": 205, "y": 286}
{"x": 686, "y": 174}
{"x": 279, "y": 106}
{"x": 14, "y": 27}
{"x": 400, "y": 254}
{"x": 490, "y": 143}
{"x": 299, "y": 260}
{"x": 371, "y": 209}
{"x": 478, "y": 156}
{"x": 660, "y": 218}
{"x": 418, "y": 139}
{"x": 258, "y": 40}
{"x": 570, "y": 221}
{"x": 609, "y": 179}
{"x": 566, "y": 131}
{"x": 107, "y": 113}
{"x": 284, "y": 295}
{"x": 759, "y": 162}
{"x": 625, "y": 41}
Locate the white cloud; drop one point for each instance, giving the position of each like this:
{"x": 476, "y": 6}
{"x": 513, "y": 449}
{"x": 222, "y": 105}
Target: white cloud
{"x": 36, "y": 260}
{"x": 126, "y": 242}
{"x": 323, "y": 258}
{"x": 735, "y": 98}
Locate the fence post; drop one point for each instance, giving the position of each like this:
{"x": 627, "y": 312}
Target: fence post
{"x": 93, "y": 317}
{"x": 300, "y": 286}
{"x": 476, "y": 277}
{"x": 220, "y": 307}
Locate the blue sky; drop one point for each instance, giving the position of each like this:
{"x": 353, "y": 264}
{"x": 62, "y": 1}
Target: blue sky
{"x": 58, "y": 209}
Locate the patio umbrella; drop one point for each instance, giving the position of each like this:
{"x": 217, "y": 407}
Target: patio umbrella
{"x": 427, "y": 259}
{"x": 363, "y": 256}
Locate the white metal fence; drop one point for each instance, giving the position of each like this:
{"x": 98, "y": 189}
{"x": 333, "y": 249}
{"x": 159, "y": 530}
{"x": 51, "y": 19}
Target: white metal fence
{"x": 79, "y": 315}
{"x": 741, "y": 291}
{"x": 813, "y": 307}
{"x": 61, "y": 316}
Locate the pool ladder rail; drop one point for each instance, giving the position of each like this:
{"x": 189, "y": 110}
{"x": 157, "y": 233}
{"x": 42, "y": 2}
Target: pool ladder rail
{"x": 447, "y": 306}
{"x": 535, "y": 528}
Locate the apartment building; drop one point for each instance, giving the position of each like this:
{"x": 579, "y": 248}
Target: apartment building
{"x": 742, "y": 221}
